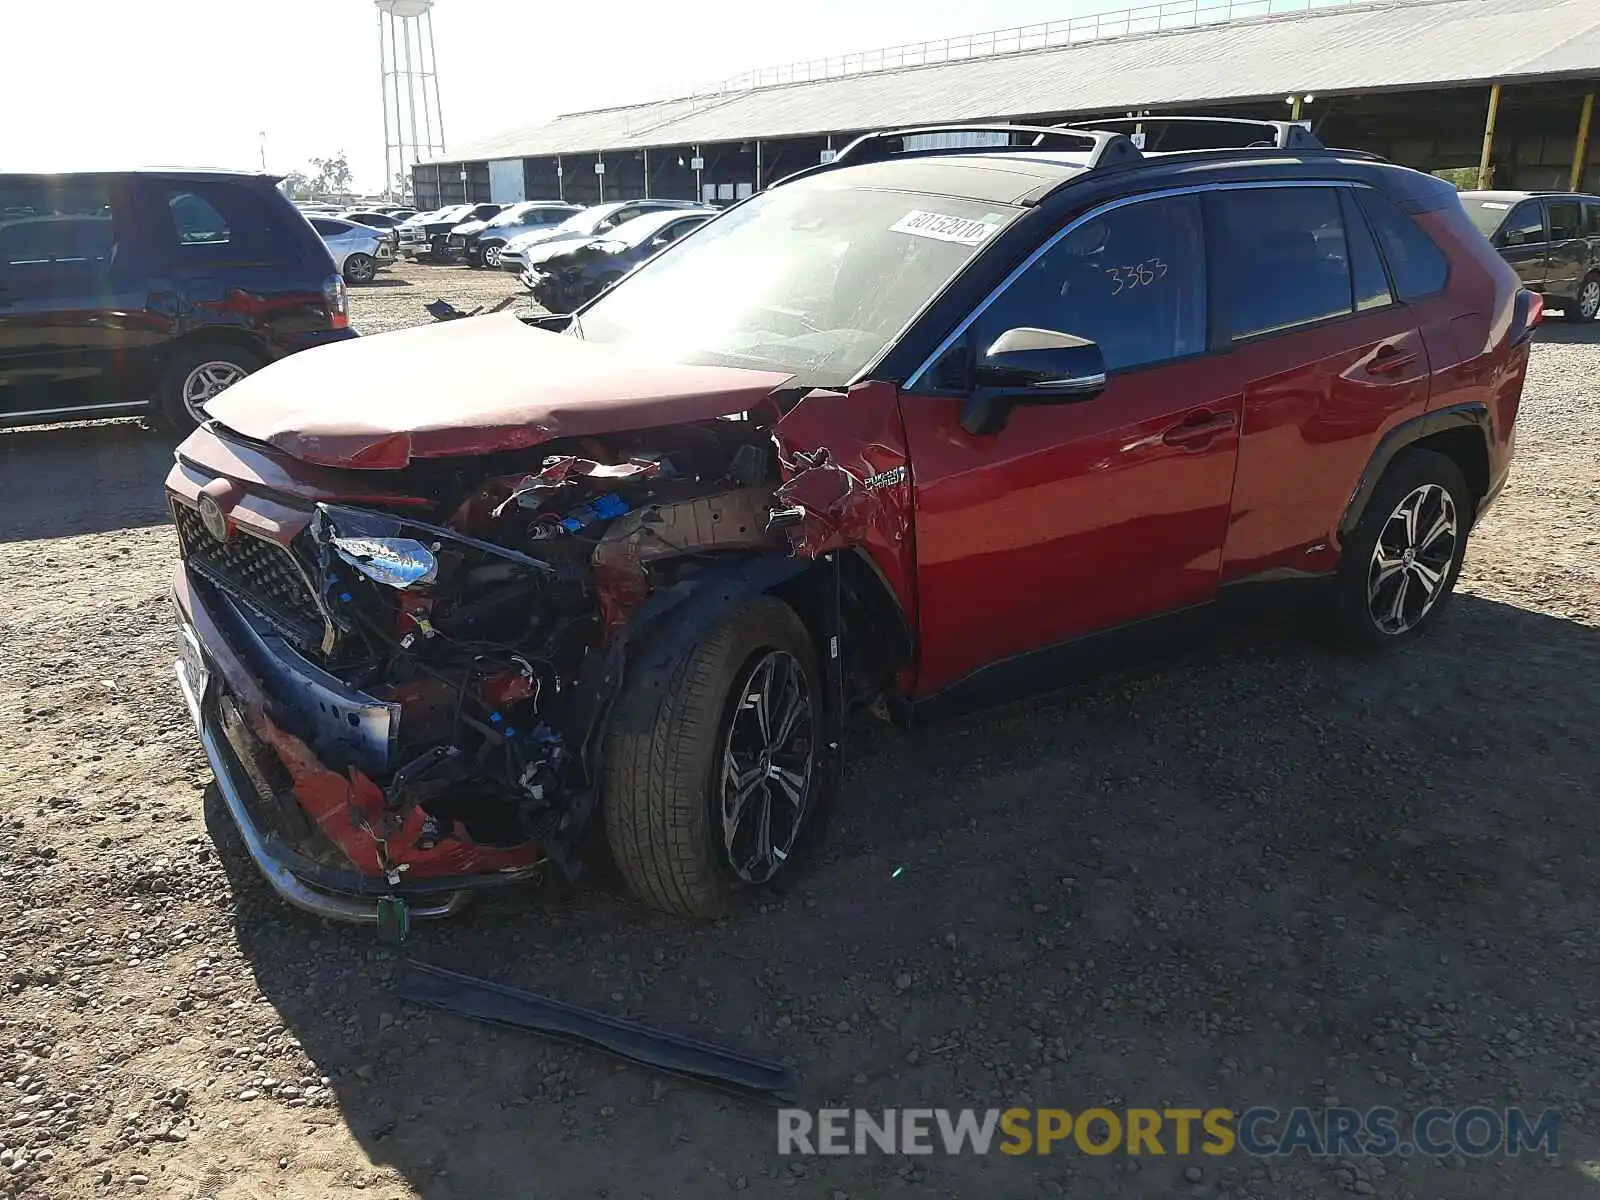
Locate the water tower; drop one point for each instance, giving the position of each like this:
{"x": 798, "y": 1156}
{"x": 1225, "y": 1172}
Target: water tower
{"x": 413, "y": 126}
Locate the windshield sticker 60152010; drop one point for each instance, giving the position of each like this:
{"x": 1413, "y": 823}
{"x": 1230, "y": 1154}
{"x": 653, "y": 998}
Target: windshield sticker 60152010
{"x": 944, "y": 228}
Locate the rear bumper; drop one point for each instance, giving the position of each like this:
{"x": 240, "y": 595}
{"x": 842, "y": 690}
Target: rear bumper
{"x": 210, "y": 669}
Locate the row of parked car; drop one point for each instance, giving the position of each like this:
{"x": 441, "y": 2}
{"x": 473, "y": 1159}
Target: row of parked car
{"x": 563, "y": 254}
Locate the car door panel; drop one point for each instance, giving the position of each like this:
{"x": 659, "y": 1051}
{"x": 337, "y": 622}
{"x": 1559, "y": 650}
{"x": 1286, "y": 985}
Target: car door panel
{"x": 1524, "y": 243}
{"x": 1568, "y": 252}
{"x": 74, "y": 329}
{"x": 1316, "y": 404}
{"x": 1076, "y": 517}
{"x": 1071, "y": 519}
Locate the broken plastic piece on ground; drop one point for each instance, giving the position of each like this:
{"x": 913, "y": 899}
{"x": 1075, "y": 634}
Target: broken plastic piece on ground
{"x": 443, "y": 310}
{"x": 727, "y": 1070}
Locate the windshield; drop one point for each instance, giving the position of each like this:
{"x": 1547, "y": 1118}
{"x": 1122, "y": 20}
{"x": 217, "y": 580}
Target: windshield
{"x": 585, "y": 221}
{"x": 514, "y": 214}
{"x": 455, "y": 213}
{"x": 641, "y": 229}
{"x": 1486, "y": 214}
{"x": 811, "y": 278}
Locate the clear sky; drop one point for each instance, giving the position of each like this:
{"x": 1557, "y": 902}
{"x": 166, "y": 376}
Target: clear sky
{"x": 89, "y": 83}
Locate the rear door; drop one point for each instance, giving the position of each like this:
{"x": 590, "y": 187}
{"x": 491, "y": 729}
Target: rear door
{"x": 1077, "y": 517}
{"x": 1568, "y": 254}
{"x": 1524, "y": 242}
{"x": 74, "y": 332}
{"x": 236, "y": 260}
{"x": 1330, "y": 359}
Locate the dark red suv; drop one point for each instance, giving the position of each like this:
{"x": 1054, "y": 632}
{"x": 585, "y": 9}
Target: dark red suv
{"x": 903, "y": 431}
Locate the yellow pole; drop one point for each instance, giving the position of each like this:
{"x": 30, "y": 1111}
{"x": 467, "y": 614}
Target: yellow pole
{"x": 1582, "y": 152}
{"x": 1488, "y": 136}
{"x": 1294, "y": 109}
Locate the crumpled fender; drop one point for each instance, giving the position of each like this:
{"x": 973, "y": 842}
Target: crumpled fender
{"x": 847, "y": 481}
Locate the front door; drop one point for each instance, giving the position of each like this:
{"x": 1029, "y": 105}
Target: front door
{"x": 1524, "y": 243}
{"x": 1077, "y": 517}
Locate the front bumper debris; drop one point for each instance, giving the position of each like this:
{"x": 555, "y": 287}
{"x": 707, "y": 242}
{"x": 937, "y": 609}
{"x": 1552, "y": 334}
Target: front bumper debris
{"x": 701, "y": 1062}
{"x": 210, "y": 673}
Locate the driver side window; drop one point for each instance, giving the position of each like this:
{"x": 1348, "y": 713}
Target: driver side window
{"x": 1132, "y": 279}
{"x": 1525, "y": 226}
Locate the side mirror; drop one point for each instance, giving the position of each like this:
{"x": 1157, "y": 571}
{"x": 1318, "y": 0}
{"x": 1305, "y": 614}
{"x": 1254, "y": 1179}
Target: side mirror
{"x": 660, "y": 240}
{"x": 1031, "y": 366}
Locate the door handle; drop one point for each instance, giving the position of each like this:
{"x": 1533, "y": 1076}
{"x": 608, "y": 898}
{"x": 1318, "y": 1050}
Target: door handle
{"x": 1389, "y": 358}
{"x": 1197, "y": 429}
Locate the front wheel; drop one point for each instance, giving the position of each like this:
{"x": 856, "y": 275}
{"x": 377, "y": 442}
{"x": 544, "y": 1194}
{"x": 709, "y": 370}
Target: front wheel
{"x": 712, "y": 771}
{"x": 360, "y": 268}
{"x": 491, "y": 254}
{"x": 1400, "y": 563}
{"x": 1586, "y": 306}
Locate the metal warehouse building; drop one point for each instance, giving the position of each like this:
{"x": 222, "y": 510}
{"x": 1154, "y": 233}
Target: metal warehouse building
{"x": 1503, "y": 87}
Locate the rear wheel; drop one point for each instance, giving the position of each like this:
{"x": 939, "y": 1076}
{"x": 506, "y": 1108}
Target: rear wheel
{"x": 360, "y": 268}
{"x": 193, "y": 377}
{"x": 712, "y": 772}
{"x": 1586, "y": 305}
{"x": 1400, "y": 563}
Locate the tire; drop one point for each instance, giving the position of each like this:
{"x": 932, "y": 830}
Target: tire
{"x": 665, "y": 754}
{"x": 1585, "y": 306}
{"x": 489, "y": 254}
{"x": 360, "y": 268}
{"x": 1369, "y": 615}
{"x": 194, "y": 370}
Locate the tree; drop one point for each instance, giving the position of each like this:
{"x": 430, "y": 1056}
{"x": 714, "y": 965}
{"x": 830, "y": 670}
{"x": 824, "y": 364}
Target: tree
{"x": 298, "y": 185}
{"x": 332, "y": 174}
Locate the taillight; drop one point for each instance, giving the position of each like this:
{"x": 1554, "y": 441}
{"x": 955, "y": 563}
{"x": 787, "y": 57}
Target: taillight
{"x": 338, "y": 298}
{"x": 1526, "y": 315}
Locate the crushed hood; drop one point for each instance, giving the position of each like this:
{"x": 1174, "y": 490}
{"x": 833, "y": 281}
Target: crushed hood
{"x": 467, "y": 387}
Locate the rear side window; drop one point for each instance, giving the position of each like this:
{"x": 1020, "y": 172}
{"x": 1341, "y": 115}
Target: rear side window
{"x": 56, "y": 225}
{"x": 1591, "y": 218}
{"x": 1417, "y": 266}
{"x": 1132, "y": 279}
{"x": 1566, "y": 220}
{"x": 1287, "y": 256}
{"x": 196, "y": 221}
{"x": 218, "y": 221}
{"x": 328, "y": 228}
{"x": 1370, "y": 281}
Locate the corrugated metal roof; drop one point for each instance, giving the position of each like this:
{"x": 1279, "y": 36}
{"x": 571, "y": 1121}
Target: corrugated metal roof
{"x": 1410, "y": 43}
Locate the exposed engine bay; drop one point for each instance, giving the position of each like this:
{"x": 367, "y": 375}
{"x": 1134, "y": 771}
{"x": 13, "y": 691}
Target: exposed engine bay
{"x": 418, "y": 662}
{"x": 480, "y": 628}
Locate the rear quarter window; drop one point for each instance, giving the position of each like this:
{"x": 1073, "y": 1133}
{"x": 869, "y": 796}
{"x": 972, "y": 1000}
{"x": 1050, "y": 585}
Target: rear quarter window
{"x": 222, "y": 221}
{"x": 1419, "y": 268}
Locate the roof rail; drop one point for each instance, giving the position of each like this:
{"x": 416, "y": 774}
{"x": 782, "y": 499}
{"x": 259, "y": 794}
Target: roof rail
{"x": 1205, "y": 133}
{"x": 1105, "y": 148}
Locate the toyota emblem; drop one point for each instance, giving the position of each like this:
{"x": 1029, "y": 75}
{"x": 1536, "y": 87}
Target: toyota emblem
{"x": 211, "y": 517}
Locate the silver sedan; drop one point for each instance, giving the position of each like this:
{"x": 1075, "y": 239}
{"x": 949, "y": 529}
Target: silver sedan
{"x": 358, "y": 250}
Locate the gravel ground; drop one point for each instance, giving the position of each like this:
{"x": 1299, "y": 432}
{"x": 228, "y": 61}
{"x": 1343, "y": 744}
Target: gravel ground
{"x": 396, "y": 298}
{"x": 1260, "y": 874}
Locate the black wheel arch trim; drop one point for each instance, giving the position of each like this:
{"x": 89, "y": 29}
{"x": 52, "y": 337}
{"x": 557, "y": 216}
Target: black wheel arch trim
{"x": 1472, "y": 415}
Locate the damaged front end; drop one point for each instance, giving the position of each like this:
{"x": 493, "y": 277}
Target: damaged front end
{"x": 402, "y": 690}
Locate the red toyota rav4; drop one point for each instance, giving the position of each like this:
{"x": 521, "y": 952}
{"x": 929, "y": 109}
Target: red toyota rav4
{"x": 900, "y": 431}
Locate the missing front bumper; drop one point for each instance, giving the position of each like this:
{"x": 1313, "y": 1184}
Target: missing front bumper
{"x": 336, "y": 893}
